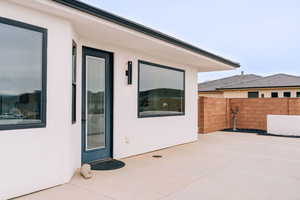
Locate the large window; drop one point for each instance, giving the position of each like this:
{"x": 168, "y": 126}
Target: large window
{"x": 74, "y": 81}
{"x": 160, "y": 91}
{"x": 252, "y": 94}
{"x": 22, "y": 75}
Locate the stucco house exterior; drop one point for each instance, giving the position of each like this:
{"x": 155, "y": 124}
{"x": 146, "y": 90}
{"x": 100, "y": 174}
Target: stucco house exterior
{"x": 252, "y": 86}
{"x": 79, "y": 84}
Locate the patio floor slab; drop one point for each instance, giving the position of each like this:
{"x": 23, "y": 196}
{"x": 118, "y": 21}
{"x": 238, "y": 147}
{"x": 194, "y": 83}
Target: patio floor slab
{"x": 220, "y": 165}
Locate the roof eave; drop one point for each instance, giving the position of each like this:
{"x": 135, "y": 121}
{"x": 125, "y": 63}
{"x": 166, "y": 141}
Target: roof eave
{"x": 142, "y": 29}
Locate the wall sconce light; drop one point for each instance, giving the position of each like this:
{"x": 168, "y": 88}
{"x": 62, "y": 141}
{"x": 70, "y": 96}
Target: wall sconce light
{"x": 129, "y": 73}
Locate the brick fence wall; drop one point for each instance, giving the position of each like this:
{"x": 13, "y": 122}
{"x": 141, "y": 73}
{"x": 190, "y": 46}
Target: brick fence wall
{"x": 215, "y": 113}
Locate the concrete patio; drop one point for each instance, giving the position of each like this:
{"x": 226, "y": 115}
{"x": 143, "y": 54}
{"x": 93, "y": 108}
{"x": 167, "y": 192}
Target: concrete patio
{"x": 233, "y": 166}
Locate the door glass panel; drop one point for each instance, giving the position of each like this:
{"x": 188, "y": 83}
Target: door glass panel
{"x": 95, "y": 98}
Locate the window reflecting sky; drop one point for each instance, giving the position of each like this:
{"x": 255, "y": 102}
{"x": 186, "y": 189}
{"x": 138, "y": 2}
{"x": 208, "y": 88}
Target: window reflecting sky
{"x": 20, "y": 60}
{"x": 95, "y": 74}
{"x": 156, "y": 77}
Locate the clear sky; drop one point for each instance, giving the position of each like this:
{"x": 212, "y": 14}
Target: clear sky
{"x": 262, "y": 35}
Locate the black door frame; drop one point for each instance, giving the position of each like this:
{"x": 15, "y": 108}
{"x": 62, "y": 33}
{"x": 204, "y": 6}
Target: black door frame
{"x": 109, "y": 91}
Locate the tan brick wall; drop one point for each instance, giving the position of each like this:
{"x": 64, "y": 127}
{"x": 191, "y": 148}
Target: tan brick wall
{"x": 294, "y": 106}
{"x": 215, "y": 114}
{"x": 253, "y": 112}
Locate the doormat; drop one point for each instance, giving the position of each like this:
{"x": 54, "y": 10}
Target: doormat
{"x": 108, "y": 165}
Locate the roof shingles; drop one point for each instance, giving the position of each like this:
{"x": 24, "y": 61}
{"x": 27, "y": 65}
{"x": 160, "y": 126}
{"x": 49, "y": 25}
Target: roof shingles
{"x": 277, "y": 80}
{"x": 220, "y": 83}
{"x": 250, "y": 81}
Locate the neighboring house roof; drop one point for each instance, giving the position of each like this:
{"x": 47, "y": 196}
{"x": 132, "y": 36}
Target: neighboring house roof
{"x": 273, "y": 81}
{"x": 142, "y": 29}
{"x": 210, "y": 86}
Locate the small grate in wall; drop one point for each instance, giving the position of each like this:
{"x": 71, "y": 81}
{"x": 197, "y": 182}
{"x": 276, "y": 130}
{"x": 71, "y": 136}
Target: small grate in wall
{"x": 157, "y": 156}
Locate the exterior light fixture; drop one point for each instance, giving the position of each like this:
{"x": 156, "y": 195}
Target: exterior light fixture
{"x": 129, "y": 73}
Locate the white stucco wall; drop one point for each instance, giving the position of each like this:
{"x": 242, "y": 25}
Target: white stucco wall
{"x": 283, "y": 124}
{"x": 35, "y": 159}
{"x": 235, "y": 94}
{"x": 133, "y": 135}
{"x": 211, "y": 94}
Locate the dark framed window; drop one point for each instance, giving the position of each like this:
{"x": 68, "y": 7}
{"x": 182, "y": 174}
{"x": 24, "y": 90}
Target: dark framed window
{"x": 74, "y": 81}
{"x": 252, "y": 94}
{"x": 274, "y": 94}
{"x": 23, "y": 68}
{"x": 298, "y": 94}
{"x": 161, "y": 90}
{"x": 287, "y": 94}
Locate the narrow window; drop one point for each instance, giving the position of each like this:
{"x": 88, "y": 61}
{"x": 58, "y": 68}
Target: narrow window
{"x": 287, "y": 94}
{"x": 262, "y": 95}
{"x": 253, "y": 95}
{"x": 74, "y": 81}
{"x": 298, "y": 94}
{"x": 274, "y": 94}
{"x": 23, "y": 62}
{"x": 161, "y": 90}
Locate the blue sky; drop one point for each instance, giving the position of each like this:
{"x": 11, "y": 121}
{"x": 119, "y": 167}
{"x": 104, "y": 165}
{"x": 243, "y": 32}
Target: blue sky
{"x": 262, "y": 35}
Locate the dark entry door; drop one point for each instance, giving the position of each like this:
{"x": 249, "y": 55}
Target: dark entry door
{"x": 97, "y": 105}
